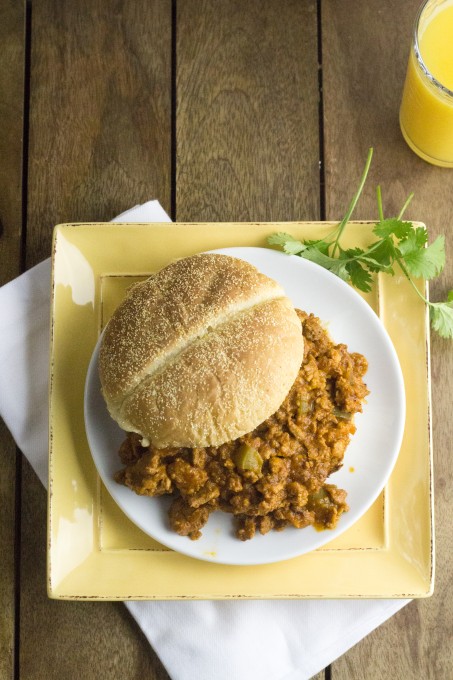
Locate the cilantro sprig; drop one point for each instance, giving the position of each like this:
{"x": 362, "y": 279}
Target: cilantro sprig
{"x": 398, "y": 245}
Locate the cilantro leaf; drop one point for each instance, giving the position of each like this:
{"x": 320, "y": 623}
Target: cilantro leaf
{"x": 290, "y": 245}
{"x": 340, "y": 268}
{"x": 375, "y": 266}
{"x": 279, "y": 238}
{"x": 354, "y": 252}
{"x": 420, "y": 261}
{"x": 370, "y": 261}
{"x": 450, "y": 296}
{"x": 333, "y": 264}
{"x": 392, "y": 227}
{"x": 360, "y": 277}
{"x": 294, "y": 247}
{"x": 315, "y": 255}
{"x": 384, "y": 254}
{"x": 415, "y": 239}
{"x": 442, "y": 317}
{"x": 322, "y": 246}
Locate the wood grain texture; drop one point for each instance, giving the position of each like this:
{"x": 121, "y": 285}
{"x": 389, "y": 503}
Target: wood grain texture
{"x": 247, "y": 110}
{"x": 11, "y": 122}
{"x": 100, "y": 112}
{"x": 365, "y": 50}
{"x": 99, "y": 143}
{"x": 12, "y": 55}
{"x": 247, "y": 126}
{"x": 7, "y": 547}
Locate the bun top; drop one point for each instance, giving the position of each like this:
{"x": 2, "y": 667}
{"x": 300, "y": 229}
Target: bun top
{"x": 200, "y": 353}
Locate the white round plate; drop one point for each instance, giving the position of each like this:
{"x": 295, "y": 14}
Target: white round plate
{"x": 372, "y": 452}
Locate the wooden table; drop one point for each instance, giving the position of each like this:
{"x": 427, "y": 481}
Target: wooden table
{"x": 222, "y": 110}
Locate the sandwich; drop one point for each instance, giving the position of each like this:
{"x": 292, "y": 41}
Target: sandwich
{"x": 203, "y": 366}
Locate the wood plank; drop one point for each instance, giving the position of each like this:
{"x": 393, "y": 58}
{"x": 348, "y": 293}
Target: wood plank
{"x": 11, "y": 122}
{"x": 100, "y": 112}
{"x": 100, "y": 130}
{"x": 7, "y": 546}
{"x": 365, "y": 52}
{"x": 12, "y": 55}
{"x": 247, "y": 110}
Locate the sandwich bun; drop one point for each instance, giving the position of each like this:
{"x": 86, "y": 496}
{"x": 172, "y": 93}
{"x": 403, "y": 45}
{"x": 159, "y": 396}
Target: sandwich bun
{"x": 200, "y": 353}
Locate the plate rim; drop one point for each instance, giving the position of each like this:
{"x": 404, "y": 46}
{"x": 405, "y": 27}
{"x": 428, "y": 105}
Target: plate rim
{"x": 319, "y": 539}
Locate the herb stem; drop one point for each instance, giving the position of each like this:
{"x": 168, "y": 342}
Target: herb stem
{"x": 403, "y": 209}
{"x": 354, "y": 201}
{"x": 379, "y": 203}
{"x": 409, "y": 278}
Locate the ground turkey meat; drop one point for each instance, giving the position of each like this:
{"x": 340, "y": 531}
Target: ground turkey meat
{"x": 275, "y": 476}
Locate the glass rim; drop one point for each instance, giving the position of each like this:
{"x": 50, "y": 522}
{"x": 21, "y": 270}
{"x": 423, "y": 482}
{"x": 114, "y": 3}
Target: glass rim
{"x": 443, "y": 88}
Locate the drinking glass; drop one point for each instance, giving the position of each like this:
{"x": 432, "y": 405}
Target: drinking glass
{"x": 426, "y": 113}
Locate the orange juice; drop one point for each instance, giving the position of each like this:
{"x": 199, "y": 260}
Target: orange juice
{"x": 426, "y": 114}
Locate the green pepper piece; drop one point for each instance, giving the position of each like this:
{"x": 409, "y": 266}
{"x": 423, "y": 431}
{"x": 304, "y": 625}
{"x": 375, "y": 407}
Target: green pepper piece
{"x": 303, "y": 407}
{"x": 342, "y": 414}
{"x": 248, "y": 458}
{"x": 319, "y": 495}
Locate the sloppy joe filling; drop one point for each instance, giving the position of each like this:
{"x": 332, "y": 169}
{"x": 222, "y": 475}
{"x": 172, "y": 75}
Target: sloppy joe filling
{"x": 275, "y": 476}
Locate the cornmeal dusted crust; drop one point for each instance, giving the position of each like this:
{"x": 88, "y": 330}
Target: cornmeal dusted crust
{"x": 200, "y": 353}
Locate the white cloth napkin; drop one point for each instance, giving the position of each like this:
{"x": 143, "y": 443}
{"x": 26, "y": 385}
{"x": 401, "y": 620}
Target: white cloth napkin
{"x": 244, "y": 640}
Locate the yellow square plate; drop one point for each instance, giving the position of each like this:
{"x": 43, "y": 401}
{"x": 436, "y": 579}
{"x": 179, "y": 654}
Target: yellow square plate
{"x": 95, "y": 552}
